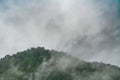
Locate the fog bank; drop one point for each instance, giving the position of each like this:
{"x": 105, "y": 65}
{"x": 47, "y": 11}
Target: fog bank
{"x": 87, "y": 29}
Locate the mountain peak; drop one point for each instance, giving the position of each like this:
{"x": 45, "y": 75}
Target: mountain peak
{"x": 42, "y": 64}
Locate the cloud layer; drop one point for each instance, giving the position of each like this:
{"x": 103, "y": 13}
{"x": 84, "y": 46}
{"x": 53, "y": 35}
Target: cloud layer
{"x": 87, "y": 29}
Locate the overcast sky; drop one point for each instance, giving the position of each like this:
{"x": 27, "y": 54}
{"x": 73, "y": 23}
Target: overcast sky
{"x": 87, "y": 29}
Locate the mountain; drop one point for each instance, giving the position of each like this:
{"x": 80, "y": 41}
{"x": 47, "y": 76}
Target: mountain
{"x": 42, "y": 64}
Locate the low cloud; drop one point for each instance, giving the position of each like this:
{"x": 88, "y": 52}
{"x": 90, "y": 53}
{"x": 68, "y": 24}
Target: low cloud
{"x": 86, "y": 29}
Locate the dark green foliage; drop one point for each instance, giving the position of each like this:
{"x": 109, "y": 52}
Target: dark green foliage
{"x": 4, "y": 64}
{"x": 85, "y": 69}
{"x": 59, "y": 75}
{"x": 30, "y": 59}
{"x": 41, "y": 64}
{"x": 27, "y": 60}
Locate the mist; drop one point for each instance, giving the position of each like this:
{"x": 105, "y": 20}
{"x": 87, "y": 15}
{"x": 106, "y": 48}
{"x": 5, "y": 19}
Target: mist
{"x": 86, "y": 29}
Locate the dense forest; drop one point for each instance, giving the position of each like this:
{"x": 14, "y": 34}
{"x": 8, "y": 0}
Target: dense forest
{"x": 42, "y": 64}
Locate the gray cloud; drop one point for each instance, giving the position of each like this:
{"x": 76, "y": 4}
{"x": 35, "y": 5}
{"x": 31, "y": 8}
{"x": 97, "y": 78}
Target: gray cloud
{"x": 86, "y": 29}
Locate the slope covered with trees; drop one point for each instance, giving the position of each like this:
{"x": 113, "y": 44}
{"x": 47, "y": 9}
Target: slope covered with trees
{"x": 41, "y": 64}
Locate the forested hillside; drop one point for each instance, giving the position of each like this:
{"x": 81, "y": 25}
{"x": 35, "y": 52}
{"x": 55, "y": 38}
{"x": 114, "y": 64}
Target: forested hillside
{"x": 41, "y": 64}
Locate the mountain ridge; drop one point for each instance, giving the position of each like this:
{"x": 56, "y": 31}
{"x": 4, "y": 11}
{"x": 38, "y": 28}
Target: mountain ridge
{"x": 43, "y": 64}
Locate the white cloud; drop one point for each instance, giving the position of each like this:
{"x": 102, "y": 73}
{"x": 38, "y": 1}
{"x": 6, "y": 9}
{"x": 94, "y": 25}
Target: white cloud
{"x": 84, "y": 28}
